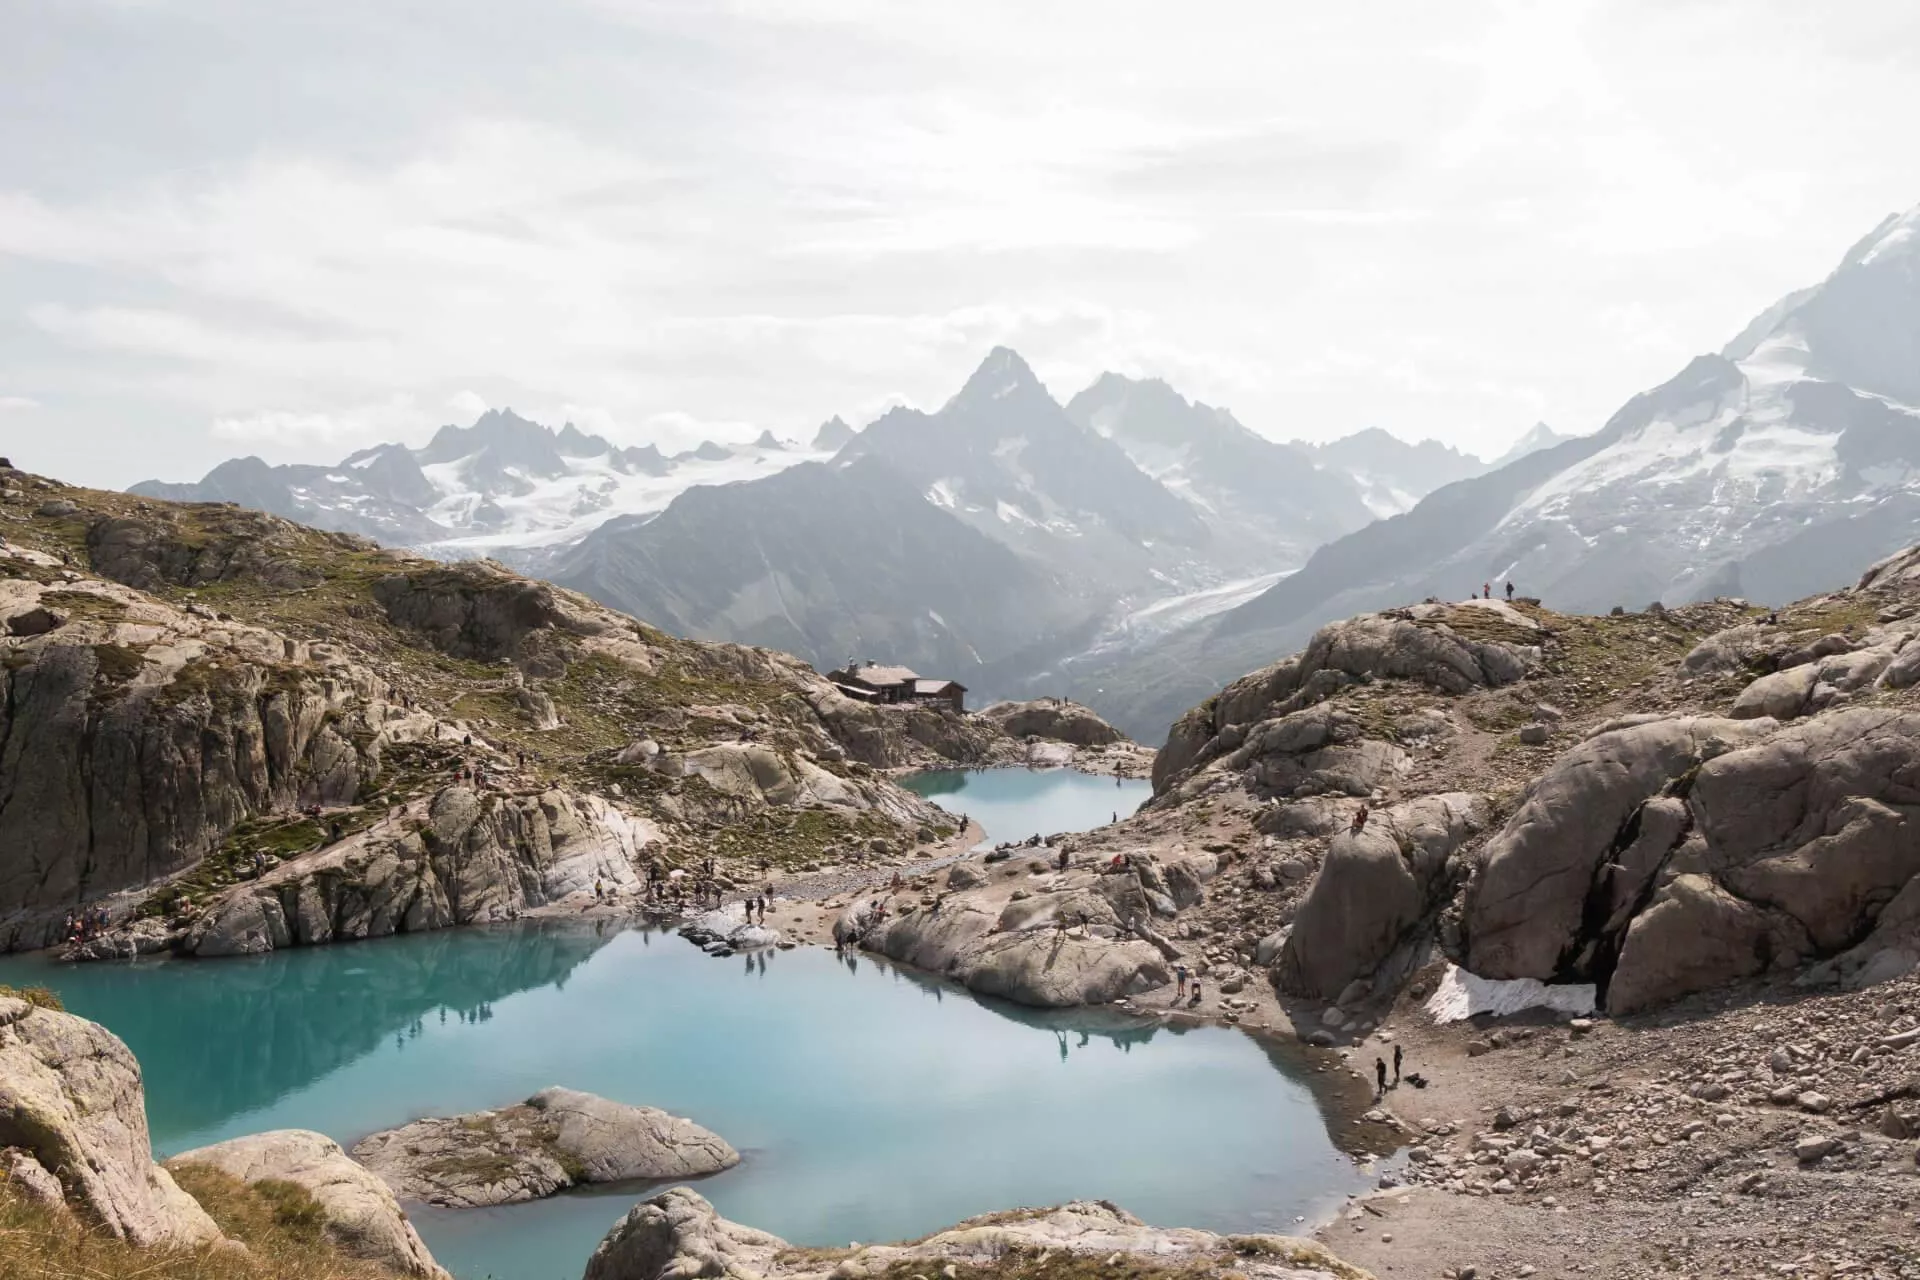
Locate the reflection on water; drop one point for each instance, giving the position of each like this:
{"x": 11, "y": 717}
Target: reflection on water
{"x": 868, "y": 1102}
{"x": 221, "y": 1038}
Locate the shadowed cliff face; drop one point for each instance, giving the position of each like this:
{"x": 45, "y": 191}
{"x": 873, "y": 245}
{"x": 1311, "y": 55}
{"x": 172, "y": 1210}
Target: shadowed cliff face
{"x": 178, "y": 682}
{"x": 129, "y": 752}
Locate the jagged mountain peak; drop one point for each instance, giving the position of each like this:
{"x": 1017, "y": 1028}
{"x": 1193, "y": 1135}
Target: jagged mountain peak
{"x": 1141, "y": 403}
{"x": 1539, "y": 436}
{"x": 504, "y": 433}
{"x": 575, "y": 443}
{"x": 832, "y": 435}
{"x": 767, "y": 440}
{"x": 1002, "y": 375}
{"x": 1898, "y": 235}
{"x": 1860, "y": 326}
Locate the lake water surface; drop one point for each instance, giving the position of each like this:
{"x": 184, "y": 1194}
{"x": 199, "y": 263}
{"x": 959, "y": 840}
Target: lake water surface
{"x": 1012, "y": 804}
{"x": 868, "y": 1103}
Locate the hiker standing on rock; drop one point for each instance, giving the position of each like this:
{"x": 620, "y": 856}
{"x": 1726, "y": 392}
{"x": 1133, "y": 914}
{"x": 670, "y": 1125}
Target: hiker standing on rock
{"x": 1380, "y": 1076}
{"x": 1397, "y": 1053}
{"x": 1509, "y": 593}
{"x": 1180, "y": 982}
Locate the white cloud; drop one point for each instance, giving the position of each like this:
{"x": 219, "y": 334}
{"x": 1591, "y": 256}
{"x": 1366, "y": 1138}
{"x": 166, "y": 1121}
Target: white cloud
{"x": 352, "y": 427}
{"x": 466, "y": 404}
{"x": 14, "y": 403}
{"x": 708, "y": 218}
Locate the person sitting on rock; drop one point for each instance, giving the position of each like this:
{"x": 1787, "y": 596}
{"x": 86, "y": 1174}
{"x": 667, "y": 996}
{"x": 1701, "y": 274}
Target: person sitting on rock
{"x": 1359, "y": 820}
{"x": 1193, "y": 1001}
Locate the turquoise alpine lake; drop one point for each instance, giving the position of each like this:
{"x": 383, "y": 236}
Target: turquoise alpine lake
{"x": 868, "y": 1102}
{"x": 1013, "y": 804}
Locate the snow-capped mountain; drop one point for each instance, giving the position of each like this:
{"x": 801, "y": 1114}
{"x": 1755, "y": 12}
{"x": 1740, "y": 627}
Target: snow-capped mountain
{"x": 1390, "y": 473}
{"x": 1004, "y": 458}
{"x": 1539, "y": 436}
{"x": 1271, "y": 500}
{"x": 1770, "y": 470}
{"x": 503, "y": 487}
{"x": 983, "y": 540}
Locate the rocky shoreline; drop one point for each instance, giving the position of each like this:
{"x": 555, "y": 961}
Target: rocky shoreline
{"x": 556, "y": 1139}
{"x": 1698, "y": 822}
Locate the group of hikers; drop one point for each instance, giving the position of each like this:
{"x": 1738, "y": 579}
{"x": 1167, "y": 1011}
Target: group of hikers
{"x": 1486, "y": 592}
{"x": 1186, "y": 986}
{"x": 702, "y": 889}
{"x": 85, "y": 924}
{"x": 1380, "y": 1085}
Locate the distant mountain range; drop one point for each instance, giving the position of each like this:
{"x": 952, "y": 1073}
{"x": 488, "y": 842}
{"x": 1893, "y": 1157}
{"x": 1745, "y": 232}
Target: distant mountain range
{"x": 1134, "y": 549}
{"x": 989, "y": 540}
{"x": 1770, "y": 470}
{"x": 504, "y": 486}
{"x": 1392, "y": 474}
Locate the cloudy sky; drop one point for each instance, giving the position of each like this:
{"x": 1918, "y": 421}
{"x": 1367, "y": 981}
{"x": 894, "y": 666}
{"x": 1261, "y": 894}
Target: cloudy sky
{"x": 231, "y": 227}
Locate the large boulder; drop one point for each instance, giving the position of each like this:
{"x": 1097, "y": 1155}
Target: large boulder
{"x": 480, "y": 612}
{"x": 1668, "y": 857}
{"x": 1525, "y": 910}
{"x": 363, "y": 1218}
{"x": 1898, "y": 572}
{"x": 1024, "y": 952}
{"x": 1781, "y": 696}
{"x": 1059, "y": 972}
{"x": 1054, "y": 718}
{"x": 760, "y": 776}
{"x": 678, "y": 1234}
{"x": 1820, "y": 822}
{"x": 1735, "y": 649}
{"x": 1418, "y": 645}
{"x": 1693, "y": 936}
{"x": 556, "y": 1139}
{"x": 72, "y": 1107}
{"x": 1375, "y": 886}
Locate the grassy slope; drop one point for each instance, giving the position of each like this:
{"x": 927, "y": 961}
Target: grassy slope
{"x": 277, "y": 1221}
{"x": 319, "y": 587}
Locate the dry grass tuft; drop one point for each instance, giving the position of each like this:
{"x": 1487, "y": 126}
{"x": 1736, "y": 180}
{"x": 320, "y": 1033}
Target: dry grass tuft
{"x": 39, "y": 997}
{"x": 278, "y": 1222}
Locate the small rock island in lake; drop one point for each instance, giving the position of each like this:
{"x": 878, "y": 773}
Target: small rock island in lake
{"x": 556, "y": 1139}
